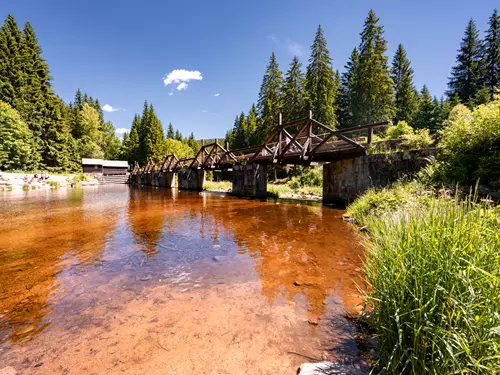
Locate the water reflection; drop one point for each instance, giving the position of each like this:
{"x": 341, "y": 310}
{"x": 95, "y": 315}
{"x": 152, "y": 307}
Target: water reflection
{"x": 41, "y": 235}
{"x": 297, "y": 251}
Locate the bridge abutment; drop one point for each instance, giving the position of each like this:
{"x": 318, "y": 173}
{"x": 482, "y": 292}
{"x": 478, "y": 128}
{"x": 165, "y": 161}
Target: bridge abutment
{"x": 345, "y": 180}
{"x": 191, "y": 179}
{"x": 249, "y": 180}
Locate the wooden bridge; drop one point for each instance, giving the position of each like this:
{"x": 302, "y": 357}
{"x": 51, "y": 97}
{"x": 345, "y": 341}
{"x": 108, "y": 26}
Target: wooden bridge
{"x": 299, "y": 142}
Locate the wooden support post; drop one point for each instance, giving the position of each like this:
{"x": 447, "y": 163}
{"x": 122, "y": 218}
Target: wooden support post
{"x": 370, "y": 135}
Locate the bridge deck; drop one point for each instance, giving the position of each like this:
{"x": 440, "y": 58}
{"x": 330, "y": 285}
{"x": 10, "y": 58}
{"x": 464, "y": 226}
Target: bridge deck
{"x": 299, "y": 142}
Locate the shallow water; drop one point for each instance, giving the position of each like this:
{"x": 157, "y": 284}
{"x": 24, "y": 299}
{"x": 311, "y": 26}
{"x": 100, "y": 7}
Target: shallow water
{"x": 113, "y": 279}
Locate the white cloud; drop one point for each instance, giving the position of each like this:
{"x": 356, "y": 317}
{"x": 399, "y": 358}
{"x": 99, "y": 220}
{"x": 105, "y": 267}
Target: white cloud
{"x": 122, "y": 130}
{"x": 293, "y": 47}
{"x": 217, "y": 94}
{"x": 170, "y": 93}
{"x": 108, "y": 108}
{"x": 181, "y": 77}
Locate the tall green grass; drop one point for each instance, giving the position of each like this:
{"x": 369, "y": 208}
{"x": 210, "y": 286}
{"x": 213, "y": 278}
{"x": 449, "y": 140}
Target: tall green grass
{"x": 434, "y": 273}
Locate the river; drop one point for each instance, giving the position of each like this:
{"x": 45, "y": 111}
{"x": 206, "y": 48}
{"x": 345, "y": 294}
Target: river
{"x": 112, "y": 279}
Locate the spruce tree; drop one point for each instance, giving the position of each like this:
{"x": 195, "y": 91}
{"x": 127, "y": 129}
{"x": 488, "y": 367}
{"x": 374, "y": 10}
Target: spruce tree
{"x": 251, "y": 128}
{"x": 37, "y": 89}
{"x": 11, "y": 77}
{"x": 58, "y": 152}
{"x": 406, "y": 97}
{"x": 293, "y": 91}
{"x": 320, "y": 86}
{"x": 178, "y": 135}
{"x": 132, "y": 144}
{"x": 154, "y": 137}
{"x": 270, "y": 102}
{"x": 344, "y": 109}
{"x": 466, "y": 75}
{"x": 427, "y": 115}
{"x": 239, "y": 131}
{"x": 373, "y": 98}
{"x": 492, "y": 54}
{"x": 16, "y": 150}
{"x": 236, "y": 134}
{"x": 170, "y": 132}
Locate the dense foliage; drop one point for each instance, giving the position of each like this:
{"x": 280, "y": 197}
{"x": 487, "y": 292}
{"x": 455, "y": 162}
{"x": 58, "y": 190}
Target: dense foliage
{"x": 470, "y": 144}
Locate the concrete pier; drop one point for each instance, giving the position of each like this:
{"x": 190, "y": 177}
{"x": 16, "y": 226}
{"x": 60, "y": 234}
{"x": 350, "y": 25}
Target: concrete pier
{"x": 191, "y": 179}
{"x": 250, "y": 180}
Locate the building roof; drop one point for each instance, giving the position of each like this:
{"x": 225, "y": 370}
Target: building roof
{"x": 105, "y": 163}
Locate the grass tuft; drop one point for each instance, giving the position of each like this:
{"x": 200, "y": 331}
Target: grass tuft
{"x": 434, "y": 273}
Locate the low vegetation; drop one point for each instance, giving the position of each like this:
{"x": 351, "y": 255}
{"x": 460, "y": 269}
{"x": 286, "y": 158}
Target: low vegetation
{"x": 433, "y": 267}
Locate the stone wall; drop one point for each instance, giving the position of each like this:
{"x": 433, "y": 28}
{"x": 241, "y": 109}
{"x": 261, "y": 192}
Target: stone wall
{"x": 249, "y": 180}
{"x": 344, "y": 180}
{"x": 191, "y": 179}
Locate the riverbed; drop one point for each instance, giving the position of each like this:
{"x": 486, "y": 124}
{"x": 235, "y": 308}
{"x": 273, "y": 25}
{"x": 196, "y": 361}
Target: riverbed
{"x": 119, "y": 280}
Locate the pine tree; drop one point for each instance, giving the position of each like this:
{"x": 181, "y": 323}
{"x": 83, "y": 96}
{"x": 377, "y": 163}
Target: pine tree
{"x": 465, "y": 80}
{"x": 37, "y": 90}
{"x": 154, "y": 137}
{"x": 132, "y": 144}
{"x": 15, "y": 140}
{"x": 373, "y": 98}
{"x": 170, "y": 132}
{"x": 320, "y": 86}
{"x": 406, "y": 97}
{"x": 427, "y": 115}
{"x": 251, "y": 128}
{"x": 344, "y": 109}
{"x": 239, "y": 131}
{"x": 293, "y": 91}
{"x": 178, "y": 135}
{"x": 191, "y": 142}
{"x": 58, "y": 152}
{"x": 492, "y": 54}
{"x": 11, "y": 77}
{"x": 270, "y": 102}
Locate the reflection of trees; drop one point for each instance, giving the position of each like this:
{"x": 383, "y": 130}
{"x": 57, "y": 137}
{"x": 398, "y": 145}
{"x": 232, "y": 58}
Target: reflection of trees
{"x": 146, "y": 215}
{"x": 37, "y": 243}
{"x": 297, "y": 249}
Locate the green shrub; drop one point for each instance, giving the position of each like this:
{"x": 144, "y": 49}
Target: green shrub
{"x": 217, "y": 185}
{"x": 398, "y": 131}
{"x": 54, "y": 184}
{"x": 434, "y": 281}
{"x": 470, "y": 143}
{"x": 418, "y": 140}
{"x": 26, "y": 187}
{"x": 278, "y": 191}
{"x": 307, "y": 177}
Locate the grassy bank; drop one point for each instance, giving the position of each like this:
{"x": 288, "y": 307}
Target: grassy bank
{"x": 433, "y": 266}
{"x": 273, "y": 190}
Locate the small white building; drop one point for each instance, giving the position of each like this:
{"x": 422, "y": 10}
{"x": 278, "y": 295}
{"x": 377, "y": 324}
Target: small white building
{"x": 104, "y": 167}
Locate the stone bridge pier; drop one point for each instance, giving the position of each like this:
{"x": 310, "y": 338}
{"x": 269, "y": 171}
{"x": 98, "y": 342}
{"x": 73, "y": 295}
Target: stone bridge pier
{"x": 345, "y": 180}
{"x": 250, "y": 180}
{"x": 191, "y": 179}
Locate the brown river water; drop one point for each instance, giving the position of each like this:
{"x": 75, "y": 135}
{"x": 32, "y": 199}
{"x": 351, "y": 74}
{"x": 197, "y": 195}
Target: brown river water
{"x": 119, "y": 280}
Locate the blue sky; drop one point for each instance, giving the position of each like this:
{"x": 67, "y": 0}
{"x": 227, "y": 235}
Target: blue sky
{"x": 121, "y": 51}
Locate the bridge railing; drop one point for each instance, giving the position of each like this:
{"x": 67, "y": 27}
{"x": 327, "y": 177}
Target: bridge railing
{"x": 300, "y": 141}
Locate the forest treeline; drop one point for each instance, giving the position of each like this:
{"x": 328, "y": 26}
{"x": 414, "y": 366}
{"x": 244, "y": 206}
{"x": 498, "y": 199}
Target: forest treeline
{"x": 371, "y": 88}
{"x": 39, "y": 131}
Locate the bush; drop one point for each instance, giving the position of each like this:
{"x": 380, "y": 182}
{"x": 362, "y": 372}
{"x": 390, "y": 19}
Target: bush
{"x": 380, "y": 201}
{"x": 470, "y": 143}
{"x": 434, "y": 275}
{"x": 307, "y": 177}
{"x": 398, "y": 131}
{"x": 418, "y": 140}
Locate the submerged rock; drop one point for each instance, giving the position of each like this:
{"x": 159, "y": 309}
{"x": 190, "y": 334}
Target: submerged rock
{"x": 325, "y": 368}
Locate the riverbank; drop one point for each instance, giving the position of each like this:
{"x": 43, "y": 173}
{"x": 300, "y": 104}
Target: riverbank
{"x": 29, "y": 181}
{"x": 433, "y": 267}
{"x": 282, "y": 191}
